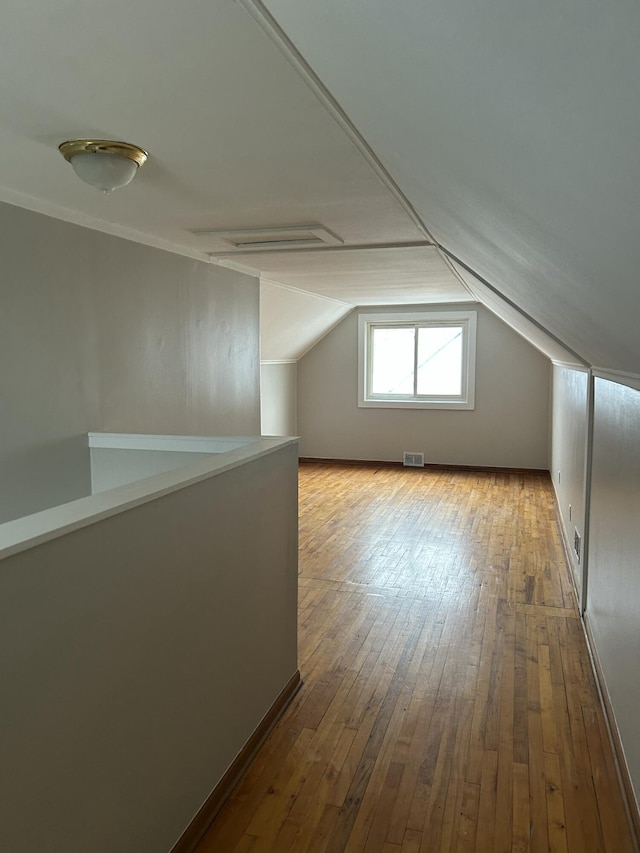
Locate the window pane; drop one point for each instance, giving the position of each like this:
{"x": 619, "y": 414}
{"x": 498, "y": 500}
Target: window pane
{"x": 440, "y": 360}
{"x": 392, "y": 360}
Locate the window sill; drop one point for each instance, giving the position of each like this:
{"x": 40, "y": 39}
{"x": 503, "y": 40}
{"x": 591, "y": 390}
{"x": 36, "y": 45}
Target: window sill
{"x": 459, "y": 405}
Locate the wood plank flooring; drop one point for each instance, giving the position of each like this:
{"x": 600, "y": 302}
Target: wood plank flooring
{"x": 448, "y": 700}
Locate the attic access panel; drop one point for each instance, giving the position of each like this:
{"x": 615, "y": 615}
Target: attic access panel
{"x": 285, "y": 237}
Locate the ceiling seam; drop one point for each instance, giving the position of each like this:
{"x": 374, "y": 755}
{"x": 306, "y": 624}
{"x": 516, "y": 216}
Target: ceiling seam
{"x": 287, "y": 48}
{"x": 229, "y": 264}
{"x": 324, "y": 335}
{"x": 513, "y": 305}
{"x": 306, "y": 292}
{"x": 348, "y": 247}
{"x": 450, "y": 266}
{"x": 94, "y": 223}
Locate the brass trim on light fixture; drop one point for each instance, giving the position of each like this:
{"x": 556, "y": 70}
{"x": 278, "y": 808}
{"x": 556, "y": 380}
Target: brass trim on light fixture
{"x": 102, "y": 146}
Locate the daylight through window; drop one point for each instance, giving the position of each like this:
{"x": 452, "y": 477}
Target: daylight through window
{"x": 417, "y": 360}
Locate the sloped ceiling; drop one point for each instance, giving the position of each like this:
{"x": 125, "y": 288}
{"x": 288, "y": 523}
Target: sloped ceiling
{"x": 304, "y": 294}
{"x": 506, "y": 132}
{"x": 514, "y": 130}
{"x": 293, "y": 321}
{"x": 236, "y": 138}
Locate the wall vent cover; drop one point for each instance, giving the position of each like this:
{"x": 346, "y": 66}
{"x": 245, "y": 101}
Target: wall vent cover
{"x": 412, "y": 460}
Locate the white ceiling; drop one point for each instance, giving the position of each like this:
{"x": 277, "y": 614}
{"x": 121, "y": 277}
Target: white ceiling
{"x": 508, "y": 131}
{"x": 514, "y": 130}
{"x": 304, "y": 293}
{"x": 365, "y": 277}
{"x": 236, "y": 138}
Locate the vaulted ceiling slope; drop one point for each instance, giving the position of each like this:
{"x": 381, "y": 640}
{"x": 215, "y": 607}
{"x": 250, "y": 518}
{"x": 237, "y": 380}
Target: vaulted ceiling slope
{"x": 513, "y": 128}
{"x": 507, "y": 131}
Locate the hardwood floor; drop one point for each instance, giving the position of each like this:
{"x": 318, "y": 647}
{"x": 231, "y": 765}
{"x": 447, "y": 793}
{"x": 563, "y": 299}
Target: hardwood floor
{"x": 449, "y": 702}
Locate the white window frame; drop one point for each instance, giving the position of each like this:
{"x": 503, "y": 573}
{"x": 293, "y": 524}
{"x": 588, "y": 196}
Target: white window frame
{"x": 464, "y": 401}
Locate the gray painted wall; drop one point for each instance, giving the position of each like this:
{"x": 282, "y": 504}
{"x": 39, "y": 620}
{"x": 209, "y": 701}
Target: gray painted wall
{"x": 278, "y": 401}
{"x": 509, "y": 426}
{"x": 613, "y": 601}
{"x": 139, "y": 654}
{"x": 569, "y": 456}
{"x": 114, "y": 467}
{"x": 99, "y": 333}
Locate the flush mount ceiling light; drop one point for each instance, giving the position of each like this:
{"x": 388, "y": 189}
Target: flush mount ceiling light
{"x": 103, "y": 163}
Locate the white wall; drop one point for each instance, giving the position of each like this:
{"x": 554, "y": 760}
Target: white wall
{"x": 99, "y": 333}
{"x": 508, "y": 428}
{"x": 278, "y": 400}
{"x": 569, "y": 458}
{"x": 137, "y": 656}
{"x": 613, "y": 601}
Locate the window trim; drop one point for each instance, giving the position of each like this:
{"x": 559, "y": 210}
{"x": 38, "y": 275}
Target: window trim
{"x": 466, "y": 319}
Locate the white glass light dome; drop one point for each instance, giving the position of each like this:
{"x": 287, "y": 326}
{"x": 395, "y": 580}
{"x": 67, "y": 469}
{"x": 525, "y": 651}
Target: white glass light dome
{"x": 102, "y": 163}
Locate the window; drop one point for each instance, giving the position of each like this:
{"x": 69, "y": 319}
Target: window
{"x": 417, "y": 361}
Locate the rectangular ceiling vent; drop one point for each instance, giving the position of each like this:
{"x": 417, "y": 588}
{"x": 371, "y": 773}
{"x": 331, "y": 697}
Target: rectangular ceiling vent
{"x": 284, "y": 237}
{"x": 413, "y": 460}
